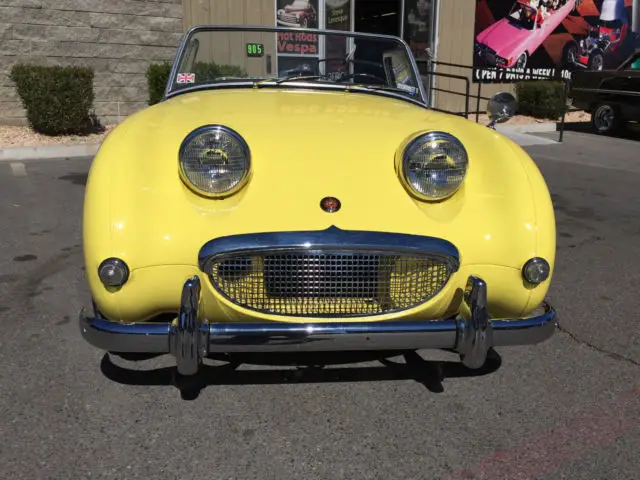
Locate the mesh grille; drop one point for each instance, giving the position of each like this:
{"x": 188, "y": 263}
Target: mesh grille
{"x": 329, "y": 284}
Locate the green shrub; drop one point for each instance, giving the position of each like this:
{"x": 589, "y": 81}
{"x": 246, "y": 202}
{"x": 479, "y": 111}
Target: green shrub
{"x": 58, "y": 100}
{"x": 158, "y": 76}
{"x": 541, "y": 99}
{"x": 206, "y": 72}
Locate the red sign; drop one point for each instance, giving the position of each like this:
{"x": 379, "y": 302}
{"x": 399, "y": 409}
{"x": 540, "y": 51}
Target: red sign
{"x": 298, "y": 43}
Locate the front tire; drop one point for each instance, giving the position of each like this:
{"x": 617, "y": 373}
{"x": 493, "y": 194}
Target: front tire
{"x": 521, "y": 63}
{"x": 596, "y": 60}
{"x": 606, "y": 119}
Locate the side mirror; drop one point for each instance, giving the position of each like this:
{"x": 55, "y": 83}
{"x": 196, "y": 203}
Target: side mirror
{"x": 501, "y": 107}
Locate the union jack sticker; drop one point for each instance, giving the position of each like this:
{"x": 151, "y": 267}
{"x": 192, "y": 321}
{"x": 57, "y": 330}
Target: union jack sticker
{"x": 186, "y": 78}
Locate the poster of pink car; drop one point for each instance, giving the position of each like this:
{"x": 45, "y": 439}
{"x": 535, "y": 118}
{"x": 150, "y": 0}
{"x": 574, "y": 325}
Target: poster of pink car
{"x": 512, "y": 40}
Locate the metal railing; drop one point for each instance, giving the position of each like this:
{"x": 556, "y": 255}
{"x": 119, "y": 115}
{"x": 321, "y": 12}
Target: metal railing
{"x": 448, "y": 75}
{"x": 426, "y": 69}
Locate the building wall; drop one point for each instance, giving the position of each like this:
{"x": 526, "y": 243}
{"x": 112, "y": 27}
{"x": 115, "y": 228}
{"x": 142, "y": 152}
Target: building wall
{"x": 226, "y": 48}
{"x": 229, "y": 12}
{"x": 456, "y": 24}
{"x": 118, "y": 38}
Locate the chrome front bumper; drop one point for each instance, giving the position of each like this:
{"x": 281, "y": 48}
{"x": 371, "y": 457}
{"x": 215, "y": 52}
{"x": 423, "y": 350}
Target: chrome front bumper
{"x": 190, "y": 339}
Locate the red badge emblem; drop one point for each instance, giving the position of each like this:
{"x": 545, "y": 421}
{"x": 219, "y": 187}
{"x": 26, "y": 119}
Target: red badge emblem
{"x": 330, "y": 204}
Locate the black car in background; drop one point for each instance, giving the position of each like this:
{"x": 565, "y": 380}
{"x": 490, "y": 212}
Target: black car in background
{"x": 611, "y": 96}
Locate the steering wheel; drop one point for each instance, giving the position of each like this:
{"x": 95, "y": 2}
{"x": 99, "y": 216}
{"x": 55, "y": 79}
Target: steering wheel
{"x": 345, "y": 60}
{"x": 348, "y": 76}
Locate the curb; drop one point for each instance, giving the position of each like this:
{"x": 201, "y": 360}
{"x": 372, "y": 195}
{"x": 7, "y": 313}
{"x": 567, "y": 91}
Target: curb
{"x": 56, "y": 152}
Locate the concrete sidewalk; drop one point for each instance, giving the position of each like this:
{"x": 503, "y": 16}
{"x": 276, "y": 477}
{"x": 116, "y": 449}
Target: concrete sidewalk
{"x": 523, "y": 134}
{"x": 47, "y": 152}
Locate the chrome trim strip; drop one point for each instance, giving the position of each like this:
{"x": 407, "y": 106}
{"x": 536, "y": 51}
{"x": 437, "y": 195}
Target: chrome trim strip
{"x": 366, "y": 336}
{"x": 301, "y": 85}
{"x": 145, "y": 337}
{"x": 332, "y": 237}
{"x": 192, "y": 340}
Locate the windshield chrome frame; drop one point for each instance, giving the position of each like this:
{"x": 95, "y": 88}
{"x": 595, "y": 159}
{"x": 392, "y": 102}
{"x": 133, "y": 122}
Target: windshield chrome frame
{"x": 168, "y": 93}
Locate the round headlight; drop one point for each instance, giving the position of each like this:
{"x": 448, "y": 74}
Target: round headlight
{"x": 434, "y": 165}
{"x": 215, "y": 161}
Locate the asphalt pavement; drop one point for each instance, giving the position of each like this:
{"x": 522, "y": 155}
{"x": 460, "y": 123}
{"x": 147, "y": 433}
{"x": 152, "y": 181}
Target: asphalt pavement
{"x": 568, "y": 408}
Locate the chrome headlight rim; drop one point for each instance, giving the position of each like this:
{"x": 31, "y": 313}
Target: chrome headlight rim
{"x": 418, "y": 140}
{"x": 212, "y": 128}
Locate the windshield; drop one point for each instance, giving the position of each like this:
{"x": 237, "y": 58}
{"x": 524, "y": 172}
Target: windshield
{"x": 523, "y": 15}
{"x": 269, "y": 57}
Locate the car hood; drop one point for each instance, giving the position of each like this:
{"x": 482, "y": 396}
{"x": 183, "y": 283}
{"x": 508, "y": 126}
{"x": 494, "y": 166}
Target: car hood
{"x": 505, "y": 38}
{"x": 305, "y": 145}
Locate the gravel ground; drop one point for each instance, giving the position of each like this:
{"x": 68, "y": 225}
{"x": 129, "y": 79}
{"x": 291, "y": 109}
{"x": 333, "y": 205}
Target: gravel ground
{"x": 11, "y": 136}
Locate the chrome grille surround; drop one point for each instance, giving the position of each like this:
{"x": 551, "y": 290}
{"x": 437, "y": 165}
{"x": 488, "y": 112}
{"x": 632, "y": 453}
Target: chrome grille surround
{"x": 331, "y": 274}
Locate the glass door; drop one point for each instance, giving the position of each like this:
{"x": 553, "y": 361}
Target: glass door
{"x": 420, "y": 33}
{"x": 378, "y": 16}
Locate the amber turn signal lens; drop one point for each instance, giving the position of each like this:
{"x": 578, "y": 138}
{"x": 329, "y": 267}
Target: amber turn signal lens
{"x": 113, "y": 272}
{"x": 536, "y": 270}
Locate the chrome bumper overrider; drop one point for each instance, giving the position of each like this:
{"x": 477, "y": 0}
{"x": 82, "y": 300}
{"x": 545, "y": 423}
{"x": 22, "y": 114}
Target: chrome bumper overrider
{"x": 190, "y": 339}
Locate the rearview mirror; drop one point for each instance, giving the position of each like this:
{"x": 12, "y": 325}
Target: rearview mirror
{"x": 501, "y": 107}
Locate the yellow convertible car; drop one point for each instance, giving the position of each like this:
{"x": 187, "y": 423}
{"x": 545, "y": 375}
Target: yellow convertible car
{"x": 294, "y": 192}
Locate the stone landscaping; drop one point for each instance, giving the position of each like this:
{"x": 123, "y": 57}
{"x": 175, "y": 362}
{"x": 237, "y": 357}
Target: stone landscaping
{"x": 11, "y": 136}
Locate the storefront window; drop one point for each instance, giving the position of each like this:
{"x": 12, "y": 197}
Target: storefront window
{"x": 419, "y": 33}
{"x": 297, "y": 50}
{"x": 337, "y": 17}
{"x": 419, "y": 27}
